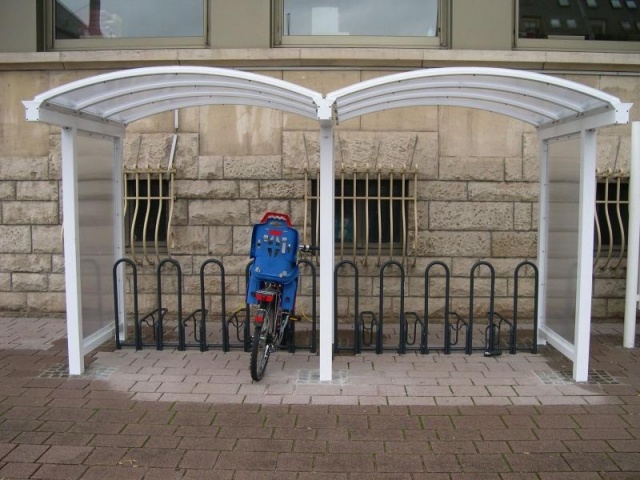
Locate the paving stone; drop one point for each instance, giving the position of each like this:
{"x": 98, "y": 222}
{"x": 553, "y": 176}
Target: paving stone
{"x": 296, "y": 462}
{"x": 18, "y": 470}
{"x": 198, "y": 459}
{"x": 240, "y": 461}
{"x": 66, "y": 455}
{"x": 105, "y": 456}
{"x": 590, "y": 462}
{"x": 26, "y": 453}
{"x": 60, "y": 472}
{"x": 628, "y": 462}
{"x": 398, "y": 463}
{"x": 572, "y": 475}
{"x": 538, "y": 462}
{"x": 336, "y": 462}
{"x": 119, "y": 472}
{"x": 441, "y": 463}
{"x": 483, "y": 463}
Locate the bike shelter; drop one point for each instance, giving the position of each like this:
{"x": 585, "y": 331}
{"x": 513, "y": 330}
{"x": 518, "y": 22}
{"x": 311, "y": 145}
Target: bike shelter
{"x": 93, "y": 114}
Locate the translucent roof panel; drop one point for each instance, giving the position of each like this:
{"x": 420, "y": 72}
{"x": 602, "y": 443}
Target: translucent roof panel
{"x": 128, "y": 95}
{"x": 540, "y": 100}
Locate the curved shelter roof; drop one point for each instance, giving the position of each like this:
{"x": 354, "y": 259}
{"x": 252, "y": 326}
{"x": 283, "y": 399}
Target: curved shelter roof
{"x": 538, "y": 99}
{"x": 128, "y": 95}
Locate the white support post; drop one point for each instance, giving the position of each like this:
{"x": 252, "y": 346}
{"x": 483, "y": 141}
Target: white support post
{"x": 543, "y": 236}
{"x": 72, "y": 251}
{"x": 119, "y": 251}
{"x": 327, "y": 222}
{"x": 585, "y": 255}
{"x": 633, "y": 258}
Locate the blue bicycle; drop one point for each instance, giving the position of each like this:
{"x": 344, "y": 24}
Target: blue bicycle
{"x": 273, "y": 283}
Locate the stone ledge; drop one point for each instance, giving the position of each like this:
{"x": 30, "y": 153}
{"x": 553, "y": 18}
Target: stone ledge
{"x": 277, "y": 58}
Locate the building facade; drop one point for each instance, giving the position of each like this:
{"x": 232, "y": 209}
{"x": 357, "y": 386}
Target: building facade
{"x": 413, "y": 185}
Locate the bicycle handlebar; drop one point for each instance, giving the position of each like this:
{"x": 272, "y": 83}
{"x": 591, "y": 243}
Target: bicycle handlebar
{"x": 308, "y": 248}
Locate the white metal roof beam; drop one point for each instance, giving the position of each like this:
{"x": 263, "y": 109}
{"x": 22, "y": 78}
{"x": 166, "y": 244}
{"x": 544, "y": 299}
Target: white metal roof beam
{"x": 162, "y": 106}
{"x": 534, "y": 95}
{"x": 508, "y": 110}
{"x": 541, "y": 108}
{"x": 132, "y": 90}
{"x": 246, "y": 98}
{"x": 589, "y": 120}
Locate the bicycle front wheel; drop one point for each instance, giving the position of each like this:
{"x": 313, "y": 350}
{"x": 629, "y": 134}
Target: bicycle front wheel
{"x": 262, "y": 344}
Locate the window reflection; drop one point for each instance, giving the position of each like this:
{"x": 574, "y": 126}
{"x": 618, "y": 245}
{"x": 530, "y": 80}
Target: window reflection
{"x": 361, "y": 17}
{"x": 76, "y": 19}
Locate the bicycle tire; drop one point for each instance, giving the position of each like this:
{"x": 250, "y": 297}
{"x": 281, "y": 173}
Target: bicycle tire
{"x": 261, "y": 345}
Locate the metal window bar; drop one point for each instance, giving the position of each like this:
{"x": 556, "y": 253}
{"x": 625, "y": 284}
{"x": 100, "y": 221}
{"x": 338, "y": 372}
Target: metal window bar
{"x": 610, "y": 229}
{"x": 361, "y": 213}
{"x": 164, "y": 198}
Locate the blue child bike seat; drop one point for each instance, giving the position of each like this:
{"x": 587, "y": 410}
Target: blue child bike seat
{"x": 274, "y": 250}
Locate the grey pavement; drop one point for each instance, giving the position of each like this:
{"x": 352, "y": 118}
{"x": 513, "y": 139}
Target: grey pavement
{"x": 193, "y": 415}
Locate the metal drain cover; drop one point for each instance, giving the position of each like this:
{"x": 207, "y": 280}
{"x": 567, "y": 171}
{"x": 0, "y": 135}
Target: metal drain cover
{"x": 565, "y": 377}
{"x": 312, "y": 377}
{"x": 97, "y": 372}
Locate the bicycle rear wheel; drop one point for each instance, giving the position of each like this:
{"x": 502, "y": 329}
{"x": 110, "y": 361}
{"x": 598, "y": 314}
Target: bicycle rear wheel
{"x": 262, "y": 343}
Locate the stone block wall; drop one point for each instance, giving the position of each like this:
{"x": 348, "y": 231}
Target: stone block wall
{"x": 477, "y": 193}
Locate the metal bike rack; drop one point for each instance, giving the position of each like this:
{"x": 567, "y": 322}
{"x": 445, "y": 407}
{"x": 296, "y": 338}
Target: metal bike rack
{"x": 411, "y": 344}
{"x": 368, "y": 326}
{"x": 491, "y": 347}
{"x": 401, "y": 343}
{"x": 513, "y": 323}
{"x": 160, "y": 322}
{"x": 372, "y": 330}
{"x": 116, "y": 307}
{"x": 447, "y": 290}
{"x": 356, "y": 325}
{"x": 516, "y": 278}
{"x": 148, "y": 319}
{"x": 314, "y": 311}
{"x": 201, "y": 337}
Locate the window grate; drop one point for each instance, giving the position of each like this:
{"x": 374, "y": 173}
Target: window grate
{"x": 148, "y": 209}
{"x": 611, "y": 219}
{"x": 373, "y": 214}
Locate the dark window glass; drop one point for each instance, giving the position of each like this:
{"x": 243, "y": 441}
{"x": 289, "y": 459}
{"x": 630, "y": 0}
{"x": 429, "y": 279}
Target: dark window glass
{"x": 384, "y": 224}
{"x": 579, "y": 19}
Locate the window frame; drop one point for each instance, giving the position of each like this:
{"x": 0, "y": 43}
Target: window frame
{"x": 440, "y": 40}
{"x": 570, "y": 43}
{"x": 123, "y": 43}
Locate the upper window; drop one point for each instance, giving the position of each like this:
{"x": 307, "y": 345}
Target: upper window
{"x": 84, "y": 24}
{"x": 578, "y": 24}
{"x": 358, "y": 22}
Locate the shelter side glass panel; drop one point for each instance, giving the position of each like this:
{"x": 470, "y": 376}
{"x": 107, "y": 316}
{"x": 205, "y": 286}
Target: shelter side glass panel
{"x": 562, "y": 251}
{"x": 97, "y": 229}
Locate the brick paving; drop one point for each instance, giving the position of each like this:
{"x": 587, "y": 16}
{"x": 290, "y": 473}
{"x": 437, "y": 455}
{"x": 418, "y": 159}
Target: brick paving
{"x": 192, "y": 415}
